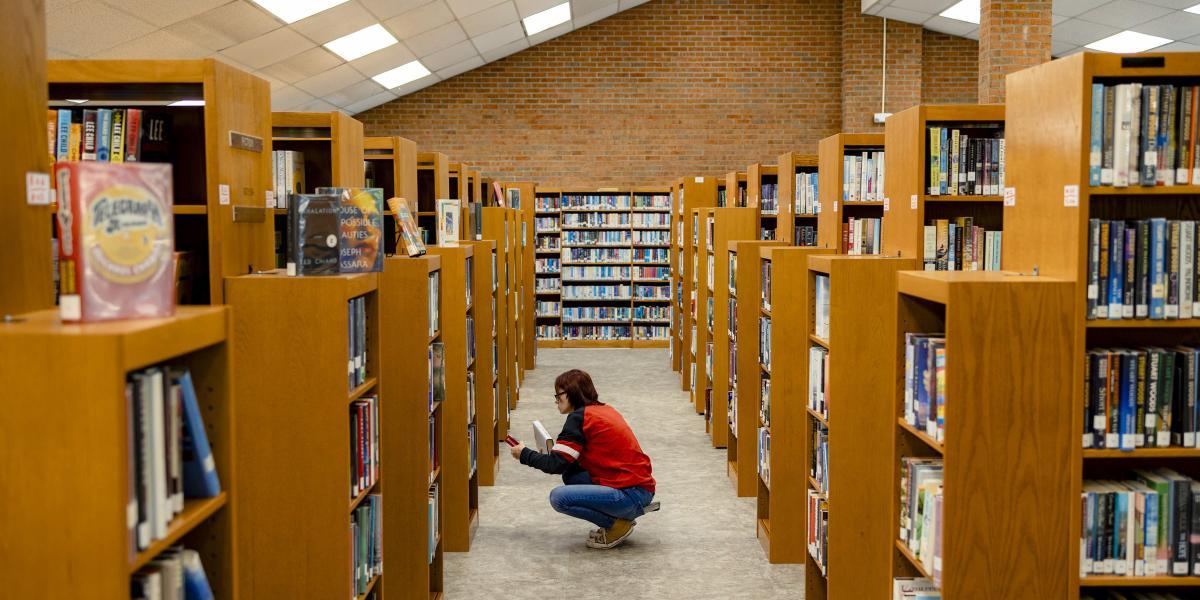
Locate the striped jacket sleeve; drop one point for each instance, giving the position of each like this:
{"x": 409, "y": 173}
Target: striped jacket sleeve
{"x": 566, "y": 450}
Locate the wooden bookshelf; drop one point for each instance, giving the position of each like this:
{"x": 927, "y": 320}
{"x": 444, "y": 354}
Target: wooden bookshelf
{"x": 391, "y": 165}
{"x": 433, "y": 182}
{"x": 548, "y": 247}
{"x": 495, "y": 228}
{"x": 692, "y": 193}
{"x": 909, "y": 206}
{"x": 742, "y": 420}
{"x": 487, "y": 414}
{"x": 727, "y": 225}
{"x": 699, "y": 354}
{"x": 758, "y": 175}
{"x": 520, "y": 196}
{"x": 404, "y": 289}
{"x": 781, "y": 527}
{"x": 649, "y": 235}
{"x": 791, "y": 164}
{"x": 222, "y": 239}
{"x": 1048, "y": 151}
{"x": 835, "y": 209}
{"x": 516, "y": 295}
{"x": 860, "y": 424}
{"x": 73, "y": 542}
{"x": 460, "y": 482}
{"x": 296, "y": 469}
{"x": 1007, "y": 337}
{"x": 736, "y": 189}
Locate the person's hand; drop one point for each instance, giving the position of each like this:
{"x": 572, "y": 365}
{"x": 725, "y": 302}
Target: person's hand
{"x": 516, "y": 450}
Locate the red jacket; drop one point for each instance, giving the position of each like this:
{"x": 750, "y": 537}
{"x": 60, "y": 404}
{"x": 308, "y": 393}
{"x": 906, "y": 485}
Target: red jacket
{"x": 598, "y": 438}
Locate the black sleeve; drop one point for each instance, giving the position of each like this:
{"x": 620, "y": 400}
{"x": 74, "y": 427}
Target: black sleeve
{"x": 567, "y": 448}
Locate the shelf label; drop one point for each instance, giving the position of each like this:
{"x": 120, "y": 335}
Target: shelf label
{"x": 270, "y": 194}
{"x": 37, "y": 189}
{"x": 912, "y": 202}
{"x": 1010, "y": 196}
{"x": 699, "y": 180}
{"x": 243, "y": 141}
{"x": 1071, "y": 195}
{"x": 223, "y": 193}
{"x": 887, "y": 204}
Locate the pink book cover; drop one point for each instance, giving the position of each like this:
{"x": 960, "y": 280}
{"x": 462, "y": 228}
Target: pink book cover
{"x": 117, "y": 241}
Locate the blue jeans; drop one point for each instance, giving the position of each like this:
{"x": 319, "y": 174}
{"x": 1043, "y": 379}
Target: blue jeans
{"x": 598, "y": 504}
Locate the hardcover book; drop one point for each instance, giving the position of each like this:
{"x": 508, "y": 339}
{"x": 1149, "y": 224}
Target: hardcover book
{"x": 313, "y": 233}
{"x": 360, "y": 225}
{"x": 406, "y": 225}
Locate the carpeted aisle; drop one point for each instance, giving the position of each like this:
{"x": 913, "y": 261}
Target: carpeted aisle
{"x": 700, "y": 545}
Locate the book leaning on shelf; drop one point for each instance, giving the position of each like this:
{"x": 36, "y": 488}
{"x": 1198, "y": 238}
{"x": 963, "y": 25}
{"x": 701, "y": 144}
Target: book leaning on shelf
{"x": 1144, "y": 135}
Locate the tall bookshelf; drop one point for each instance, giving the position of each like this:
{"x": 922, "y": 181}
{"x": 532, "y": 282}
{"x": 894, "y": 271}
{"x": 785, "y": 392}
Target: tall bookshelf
{"x": 699, "y": 352}
{"x": 297, "y": 470}
{"x": 783, "y": 436}
{"x": 676, "y": 245}
{"x": 411, "y": 444}
{"x": 516, "y": 296}
{"x": 736, "y": 189}
{"x": 1007, "y": 497}
{"x": 433, "y": 183}
{"x": 855, "y": 413}
{"x": 487, "y": 379}
{"x": 390, "y": 164}
{"x": 761, "y": 182}
{"x": 745, "y": 283}
{"x": 838, "y": 205}
{"x": 26, "y": 268}
{"x": 547, "y": 249}
{"x": 460, "y": 477}
{"x": 691, "y": 193}
{"x": 74, "y": 542}
{"x": 797, "y": 205}
{"x": 495, "y": 228}
{"x": 1048, "y": 230}
{"x": 651, "y": 243}
{"x": 597, "y": 267}
{"x": 725, "y": 225}
{"x": 520, "y": 196}
{"x": 224, "y": 234}
{"x": 908, "y": 204}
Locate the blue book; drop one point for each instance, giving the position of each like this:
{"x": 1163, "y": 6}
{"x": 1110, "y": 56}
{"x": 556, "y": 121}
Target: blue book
{"x": 195, "y": 582}
{"x": 1150, "y": 533}
{"x": 199, "y": 471}
{"x": 944, "y": 174}
{"x": 950, "y": 241}
{"x": 1158, "y": 278}
{"x": 1128, "y": 407}
{"x": 921, "y": 382}
{"x": 1116, "y": 268}
{"x": 64, "y": 134}
{"x": 1097, "y": 134}
{"x": 1118, "y": 547}
{"x": 103, "y": 134}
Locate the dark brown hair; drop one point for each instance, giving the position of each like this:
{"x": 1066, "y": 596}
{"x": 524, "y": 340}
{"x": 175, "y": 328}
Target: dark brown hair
{"x": 577, "y": 385}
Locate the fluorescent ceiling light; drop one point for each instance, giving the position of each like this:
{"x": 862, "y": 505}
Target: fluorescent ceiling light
{"x": 76, "y": 101}
{"x": 361, "y": 42}
{"x": 1195, "y": 9}
{"x": 555, "y": 15}
{"x": 964, "y": 10}
{"x": 1128, "y": 42}
{"x": 401, "y": 75}
{"x": 187, "y": 103}
{"x": 294, "y": 10}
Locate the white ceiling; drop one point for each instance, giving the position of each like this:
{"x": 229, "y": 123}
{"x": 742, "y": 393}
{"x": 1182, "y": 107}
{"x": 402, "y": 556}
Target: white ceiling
{"x": 448, "y": 36}
{"x": 1076, "y": 22}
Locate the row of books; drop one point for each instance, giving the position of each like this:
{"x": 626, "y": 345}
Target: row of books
{"x": 651, "y": 255}
{"x": 547, "y": 204}
{"x": 545, "y": 243}
{"x": 651, "y": 201}
{"x": 596, "y": 313}
{"x": 821, "y": 306}
{"x": 731, "y": 317}
{"x": 766, "y": 233}
{"x": 597, "y": 292}
{"x": 806, "y": 202}
{"x": 1142, "y": 269}
{"x": 546, "y": 265}
{"x": 606, "y": 220}
{"x": 818, "y": 460}
{"x": 287, "y": 171}
{"x": 862, "y": 176}
{"x": 597, "y": 255}
{"x": 818, "y": 529}
{"x": 1141, "y": 397}
{"x": 651, "y": 313}
{"x": 364, "y": 444}
{"x": 366, "y": 535}
{"x": 919, "y": 588}
{"x": 596, "y": 238}
{"x": 596, "y": 332}
{"x": 549, "y": 332}
{"x": 656, "y": 273}
{"x": 473, "y": 445}
{"x": 662, "y": 220}
{"x": 769, "y": 199}
{"x": 434, "y": 457}
{"x": 651, "y": 238}
{"x": 437, "y": 374}
{"x": 545, "y": 225}
{"x": 651, "y": 332}
{"x": 546, "y": 284}
{"x": 862, "y": 236}
{"x": 805, "y": 235}
{"x": 925, "y": 383}
{"x": 548, "y": 309}
{"x": 651, "y": 292}
{"x": 1141, "y": 527}
{"x": 435, "y": 511}
{"x": 336, "y": 230}
{"x": 471, "y": 393}
{"x": 1144, "y": 134}
{"x": 764, "y": 342}
{"x": 618, "y": 272}
{"x": 169, "y": 455}
{"x": 765, "y": 268}
{"x": 435, "y": 295}
{"x": 764, "y": 455}
{"x": 966, "y": 161}
{"x": 921, "y": 511}
{"x": 818, "y": 381}
{"x": 104, "y": 135}
{"x": 595, "y": 202}
{"x": 176, "y": 572}
{"x": 958, "y": 245}
{"x": 356, "y": 351}
{"x": 470, "y": 338}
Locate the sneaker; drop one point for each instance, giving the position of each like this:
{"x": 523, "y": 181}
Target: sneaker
{"x": 595, "y": 533}
{"x": 613, "y": 536}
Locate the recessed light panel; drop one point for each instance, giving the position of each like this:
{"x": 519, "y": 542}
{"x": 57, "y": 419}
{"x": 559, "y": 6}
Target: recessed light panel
{"x": 965, "y": 10}
{"x": 291, "y": 11}
{"x": 401, "y": 75}
{"x": 1195, "y": 9}
{"x": 187, "y": 103}
{"x": 361, "y": 42}
{"x": 1128, "y": 42}
{"x": 553, "y": 16}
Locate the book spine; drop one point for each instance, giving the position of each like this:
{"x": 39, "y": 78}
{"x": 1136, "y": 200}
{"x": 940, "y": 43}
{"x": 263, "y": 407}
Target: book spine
{"x": 1153, "y": 374}
{"x": 952, "y": 165}
{"x": 1158, "y": 282}
{"x": 1098, "y": 375}
{"x": 1112, "y": 402}
{"x": 1187, "y": 254}
{"x": 1121, "y": 135}
{"x": 1128, "y": 398}
{"x": 935, "y": 138}
{"x": 1130, "y": 271}
{"x": 1093, "y": 284}
{"x": 1139, "y": 439}
{"x": 1136, "y": 137}
{"x": 1181, "y": 538}
{"x": 1141, "y": 296}
{"x": 1172, "y": 308}
{"x": 89, "y": 135}
{"x": 1097, "y": 134}
{"x": 943, "y": 158}
{"x": 64, "y": 133}
{"x": 1116, "y": 268}
{"x": 104, "y": 134}
{"x": 1107, "y": 141}
{"x": 1166, "y": 135}
{"x": 118, "y": 136}
{"x": 1149, "y": 135}
{"x": 1000, "y": 166}
{"x": 1194, "y": 159}
{"x": 133, "y": 135}
{"x": 1183, "y": 137}
{"x": 964, "y": 147}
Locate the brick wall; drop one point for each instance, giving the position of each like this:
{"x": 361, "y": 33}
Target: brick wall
{"x": 950, "y": 69}
{"x": 1013, "y": 35}
{"x": 862, "y": 67}
{"x": 667, "y": 89}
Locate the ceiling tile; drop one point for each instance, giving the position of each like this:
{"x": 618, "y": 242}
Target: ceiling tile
{"x": 419, "y": 84}
{"x": 315, "y": 105}
{"x": 550, "y": 34}
{"x": 332, "y": 24}
{"x": 89, "y": 27}
{"x": 903, "y": 14}
{"x": 420, "y": 20}
{"x": 1178, "y": 47}
{"x": 601, "y": 13}
{"x": 55, "y": 54}
{"x": 532, "y": 7}
{"x": 450, "y": 56}
{"x": 288, "y": 98}
{"x": 226, "y": 26}
{"x": 587, "y": 7}
{"x": 303, "y": 65}
{"x": 1061, "y": 48}
{"x": 1124, "y": 14}
{"x": 462, "y": 67}
{"x": 386, "y": 9}
{"x": 1175, "y": 26}
{"x": 53, "y": 5}
{"x": 383, "y": 60}
{"x": 491, "y": 19}
{"x": 1195, "y": 39}
{"x": 431, "y": 41}
{"x": 1074, "y": 8}
{"x": 1056, "y": 19}
{"x": 157, "y": 45}
{"x": 269, "y": 49}
{"x": 928, "y": 7}
{"x": 505, "y": 50}
{"x": 500, "y": 37}
{"x": 463, "y": 8}
{"x": 1080, "y": 33}
{"x": 276, "y": 84}
{"x": 371, "y": 102}
{"x": 950, "y": 26}
{"x": 330, "y": 81}
{"x": 165, "y": 12}
{"x": 355, "y": 93}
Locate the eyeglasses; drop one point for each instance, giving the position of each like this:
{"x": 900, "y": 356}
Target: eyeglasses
{"x": 558, "y": 395}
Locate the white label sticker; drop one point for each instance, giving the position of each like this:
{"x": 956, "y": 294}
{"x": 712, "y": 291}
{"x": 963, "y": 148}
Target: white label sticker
{"x": 223, "y": 193}
{"x": 912, "y": 202}
{"x": 37, "y": 189}
{"x": 1010, "y": 196}
{"x": 699, "y": 180}
{"x": 835, "y": 205}
{"x": 1093, "y": 291}
{"x": 1071, "y": 195}
{"x": 887, "y": 204}
{"x": 270, "y": 198}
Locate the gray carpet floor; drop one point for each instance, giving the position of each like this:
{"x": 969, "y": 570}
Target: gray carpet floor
{"x": 700, "y": 545}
